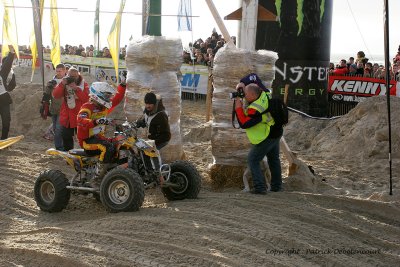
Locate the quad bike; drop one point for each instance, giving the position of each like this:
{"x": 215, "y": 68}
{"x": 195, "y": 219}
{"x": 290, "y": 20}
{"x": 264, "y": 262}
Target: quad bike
{"x": 136, "y": 166}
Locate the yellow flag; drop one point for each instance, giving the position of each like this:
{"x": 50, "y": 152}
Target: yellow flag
{"x": 55, "y": 34}
{"x": 114, "y": 37}
{"x": 10, "y": 36}
{"x": 32, "y": 39}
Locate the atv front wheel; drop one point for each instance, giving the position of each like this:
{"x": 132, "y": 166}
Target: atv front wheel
{"x": 122, "y": 190}
{"x": 51, "y": 193}
{"x": 185, "y": 181}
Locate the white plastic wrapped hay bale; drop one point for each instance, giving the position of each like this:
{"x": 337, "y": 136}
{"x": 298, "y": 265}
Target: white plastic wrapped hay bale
{"x": 230, "y": 146}
{"x": 152, "y": 63}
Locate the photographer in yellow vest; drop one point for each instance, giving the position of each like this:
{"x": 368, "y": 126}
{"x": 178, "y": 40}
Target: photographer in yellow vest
{"x": 264, "y": 137}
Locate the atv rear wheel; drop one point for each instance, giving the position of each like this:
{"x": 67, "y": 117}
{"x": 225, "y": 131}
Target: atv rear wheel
{"x": 51, "y": 193}
{"x": 186, "y": 181}
{"x": 122, "y": 190}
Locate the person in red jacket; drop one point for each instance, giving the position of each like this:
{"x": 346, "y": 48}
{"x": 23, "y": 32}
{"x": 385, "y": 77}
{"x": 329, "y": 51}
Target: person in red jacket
{"x": 92, "y": 121}
{"x": 341, "y": 69}
{"x": 75, "y": 92}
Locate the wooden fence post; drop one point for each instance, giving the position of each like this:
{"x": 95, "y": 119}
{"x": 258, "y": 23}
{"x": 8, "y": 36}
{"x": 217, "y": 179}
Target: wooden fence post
{"x": 209, "y": 95}
{"x": 284, "y": 146}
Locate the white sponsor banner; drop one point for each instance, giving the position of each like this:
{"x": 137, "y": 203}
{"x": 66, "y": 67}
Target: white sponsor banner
{"x": 88, "y": 61}
{"x": 194, "y": 78}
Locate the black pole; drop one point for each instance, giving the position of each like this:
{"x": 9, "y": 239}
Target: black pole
{"x": 387, "y": 63}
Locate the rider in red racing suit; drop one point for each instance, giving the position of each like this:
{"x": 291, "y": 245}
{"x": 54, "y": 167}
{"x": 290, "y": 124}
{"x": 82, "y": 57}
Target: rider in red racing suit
{"x": 92, "y": 120}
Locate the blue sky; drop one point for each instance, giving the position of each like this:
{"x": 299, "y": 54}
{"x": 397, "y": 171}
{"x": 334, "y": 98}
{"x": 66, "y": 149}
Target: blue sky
{"x": 357, "y": 24}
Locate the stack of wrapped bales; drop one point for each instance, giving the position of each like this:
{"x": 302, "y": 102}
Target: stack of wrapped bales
{"x": 152, "y": 63}
{"x": 230, "y": 146}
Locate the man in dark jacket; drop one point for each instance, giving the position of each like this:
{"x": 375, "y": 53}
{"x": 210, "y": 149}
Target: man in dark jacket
{"x": 156, "y": 120}
{"x": 5, "y": 87}
{"x": 53, "y": 106}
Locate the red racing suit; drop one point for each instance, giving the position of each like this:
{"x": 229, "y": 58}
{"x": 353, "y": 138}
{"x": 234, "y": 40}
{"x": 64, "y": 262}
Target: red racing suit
{"x": 88, "y": 128}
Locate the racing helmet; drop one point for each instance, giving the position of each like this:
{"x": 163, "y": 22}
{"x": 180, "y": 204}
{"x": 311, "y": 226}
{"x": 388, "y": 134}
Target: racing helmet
{"x": 102, "y": 92}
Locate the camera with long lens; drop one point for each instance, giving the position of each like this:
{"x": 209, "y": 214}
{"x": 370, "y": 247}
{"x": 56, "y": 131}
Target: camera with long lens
{"x": 239, "y": 93}
{"x": 69, "y": 79}
{"x": 124, "y": 73}
{"x": 51, "y": 84}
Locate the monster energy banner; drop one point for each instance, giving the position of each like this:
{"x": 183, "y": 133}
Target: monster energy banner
{"x": 302, "y": 39}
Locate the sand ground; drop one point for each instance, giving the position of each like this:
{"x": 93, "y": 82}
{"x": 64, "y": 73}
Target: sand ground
{"x": 341, "y": 216}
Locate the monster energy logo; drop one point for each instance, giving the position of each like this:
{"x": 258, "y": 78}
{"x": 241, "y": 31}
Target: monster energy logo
{"x": 300, "y": 14}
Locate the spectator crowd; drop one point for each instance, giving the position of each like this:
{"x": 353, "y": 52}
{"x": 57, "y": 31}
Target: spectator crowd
{"x": 88, "y": 51}
{"x": 202, "y": 52}
{"x": 362, "y": 67}
{"x": 199, "y": 52}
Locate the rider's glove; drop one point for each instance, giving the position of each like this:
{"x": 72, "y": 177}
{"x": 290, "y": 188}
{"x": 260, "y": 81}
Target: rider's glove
{"x": 141, "y": 124}
{"x": 103, "y": 121}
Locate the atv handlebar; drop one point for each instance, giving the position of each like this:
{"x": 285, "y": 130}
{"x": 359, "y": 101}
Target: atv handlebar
{"x": 127, "y": 128}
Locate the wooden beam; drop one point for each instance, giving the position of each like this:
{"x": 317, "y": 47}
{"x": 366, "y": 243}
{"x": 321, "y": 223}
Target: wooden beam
{"x": 263, "y": 15}
{"x": 284, "y": 146}
{"x": 235, "y": 15}
{"x": 209, "y": 96}
{"x": 218, "y": 20}
{"x": 289, "y": 156}
{"x": 285, "y": 96}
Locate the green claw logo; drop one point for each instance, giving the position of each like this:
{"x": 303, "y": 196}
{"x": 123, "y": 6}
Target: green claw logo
{"x": 300, "y": 15}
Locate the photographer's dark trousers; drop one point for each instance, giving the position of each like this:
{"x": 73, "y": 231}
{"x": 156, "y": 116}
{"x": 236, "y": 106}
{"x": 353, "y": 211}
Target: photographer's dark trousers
{"x": 95, "y": 146}
{"x": 5, "y": 120}
{"x": 58, "y": 140}
{"x": 68, "y": 137}
{"x": 270, "y": 148}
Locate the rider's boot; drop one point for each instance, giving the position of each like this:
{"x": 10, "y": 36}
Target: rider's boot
{"x": 101, "y": 171}
{"x": 162, "y": 180}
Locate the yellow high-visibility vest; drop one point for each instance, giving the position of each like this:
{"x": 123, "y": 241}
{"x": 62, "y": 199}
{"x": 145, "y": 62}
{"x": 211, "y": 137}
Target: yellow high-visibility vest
{"x": 260, "y": 131}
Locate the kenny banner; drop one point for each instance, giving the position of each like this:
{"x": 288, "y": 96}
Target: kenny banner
{"x": 356, "y": 89}
{"x": 302, "y": 39}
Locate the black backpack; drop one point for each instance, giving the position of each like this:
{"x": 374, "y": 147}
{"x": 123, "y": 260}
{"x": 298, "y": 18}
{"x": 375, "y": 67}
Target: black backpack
{"x": 278, "y": 110}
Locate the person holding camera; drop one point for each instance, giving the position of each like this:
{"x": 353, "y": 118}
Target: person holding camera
{"x": 6, "y": 86}
{"x": 260, "y": 130}
{"x": 52, "y": 106}
{"x": 74, "y": 92}
{"x": 155, "y": 118}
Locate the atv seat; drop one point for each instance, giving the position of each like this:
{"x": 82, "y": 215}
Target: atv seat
{"x": 78, "y": 152}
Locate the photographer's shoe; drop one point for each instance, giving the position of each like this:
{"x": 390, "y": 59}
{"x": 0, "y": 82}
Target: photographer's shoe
{"x": 280, "y": 189}
{"x": 246, "y": 190}
{"x": 253, "y": 191}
